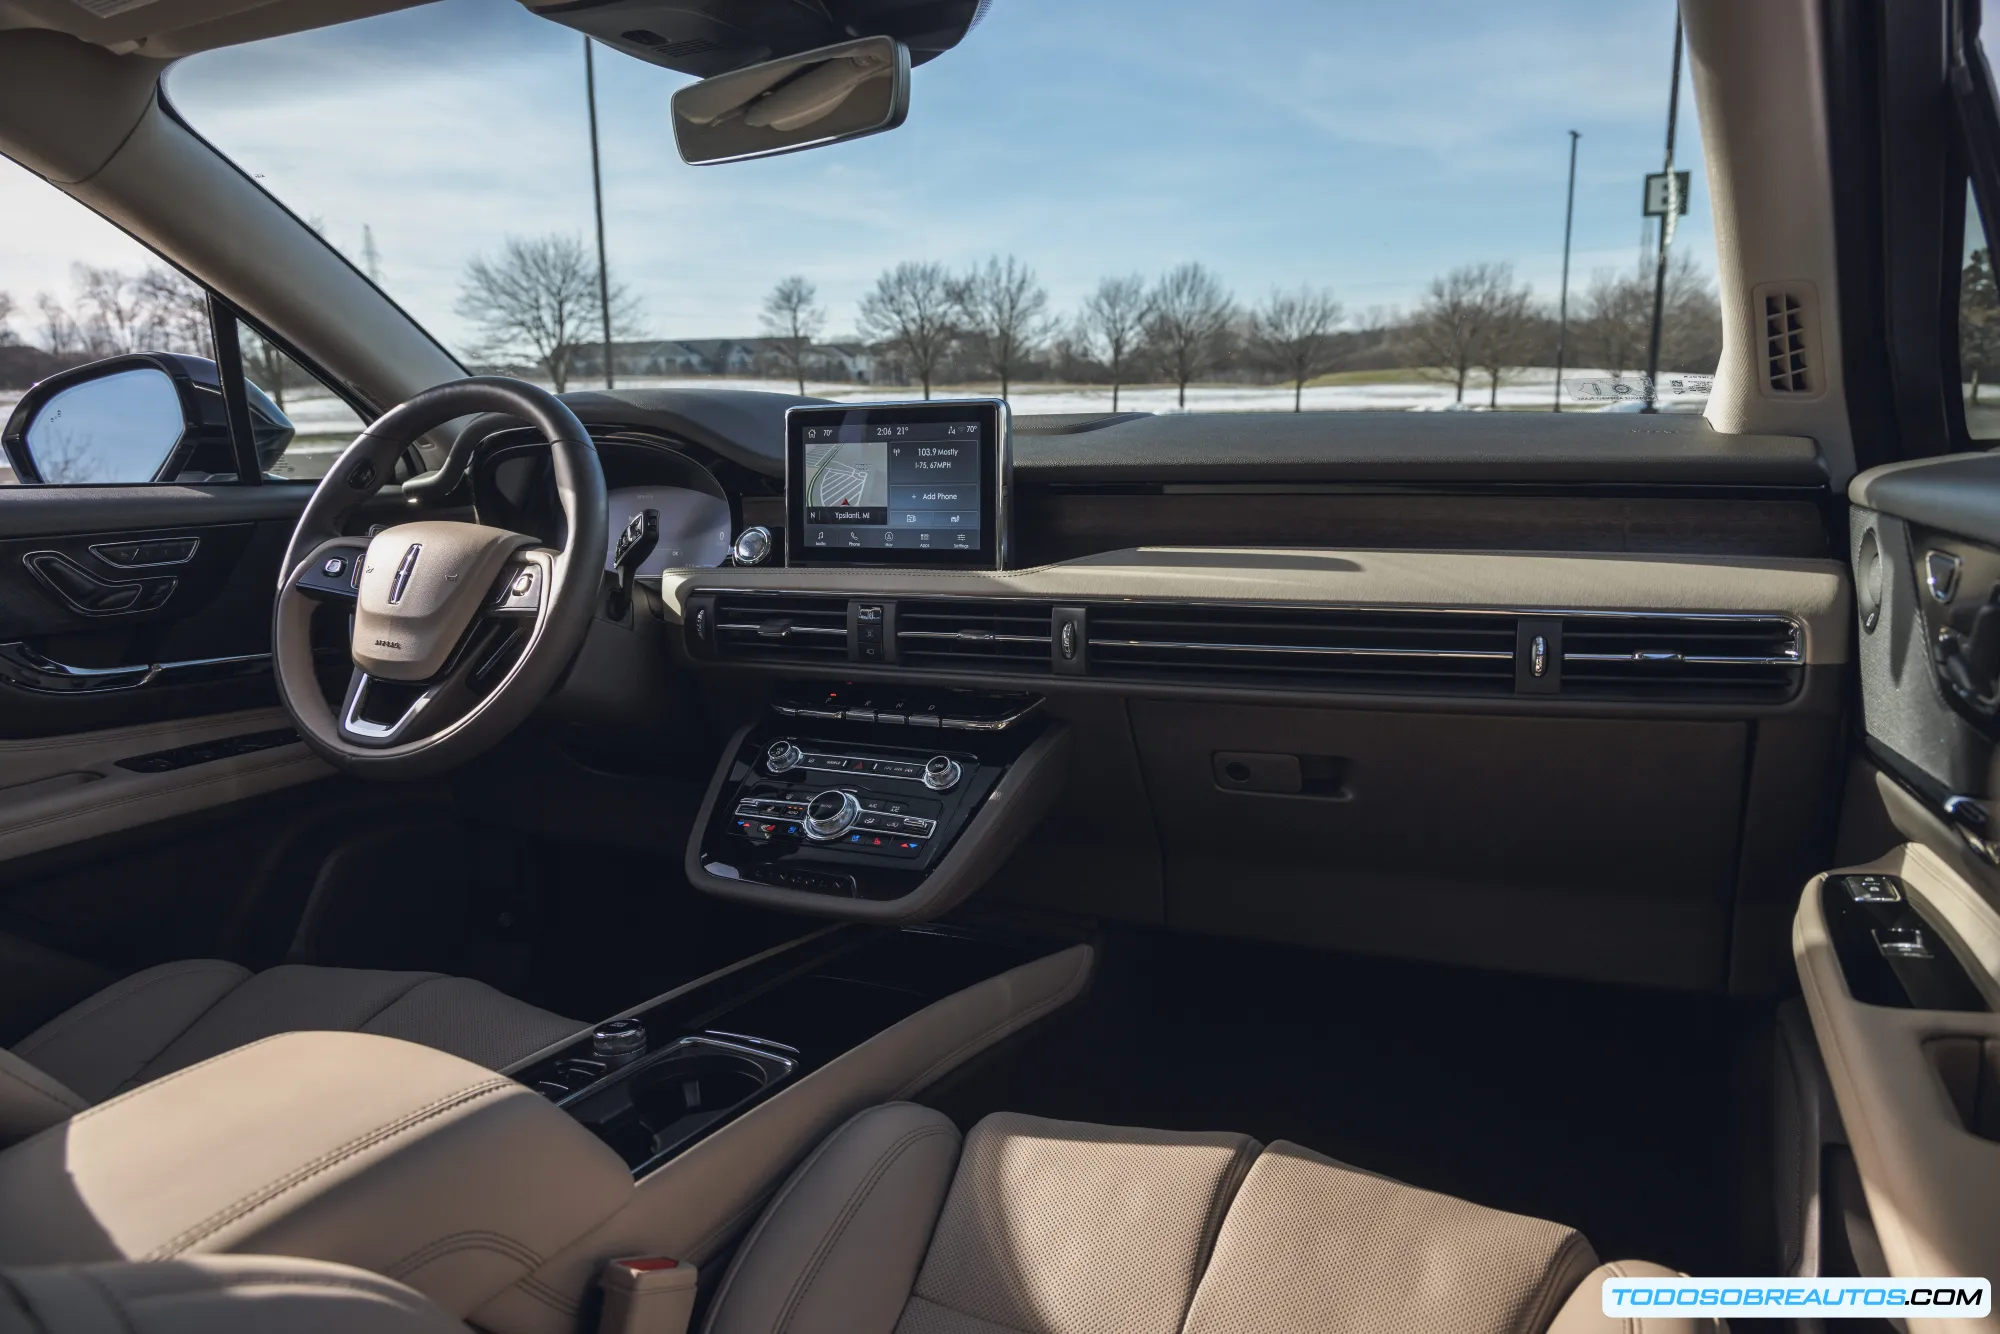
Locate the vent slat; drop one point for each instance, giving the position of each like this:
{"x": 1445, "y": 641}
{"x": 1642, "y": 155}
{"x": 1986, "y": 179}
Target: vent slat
{"x": 969, "y": 634}
{"x": 781, "y": 627}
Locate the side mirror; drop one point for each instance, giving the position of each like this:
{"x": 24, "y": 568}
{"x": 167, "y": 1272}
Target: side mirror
{"x": 803, "y": 101}
{"x": 143, "y": 417}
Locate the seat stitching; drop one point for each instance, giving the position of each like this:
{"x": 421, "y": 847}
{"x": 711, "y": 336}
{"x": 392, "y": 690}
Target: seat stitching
{"x": 1234, "y": 1173}
{"x": 439, "y": 1247}
{"x": 1545, "y": 1300}
{"x": 119, "y": 991}
{"x": 177, "y": 1074}
{"x": 1033, "y": 1012}
{"x": 110, "y": 1298}
{"x": 777, "y": 1198}
{"x": 41, "y": 1092}
{"x": 855, "y": 1203}
{"x": 553, "y": 1298}
{"x": 272, "y": 1191}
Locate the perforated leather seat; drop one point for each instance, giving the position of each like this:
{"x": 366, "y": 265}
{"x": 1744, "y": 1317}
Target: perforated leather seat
{"x": 178, "y": 1014}
{"x": 1055, "y": 1227}
{"x": 1030, "y": 1226}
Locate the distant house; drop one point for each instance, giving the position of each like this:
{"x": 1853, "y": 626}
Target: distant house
{"x": 667, "y": 358}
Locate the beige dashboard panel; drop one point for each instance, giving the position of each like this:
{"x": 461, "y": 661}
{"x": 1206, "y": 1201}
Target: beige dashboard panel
{"x": 1814, "y": 592}
{"x": 1933, "y": 1186}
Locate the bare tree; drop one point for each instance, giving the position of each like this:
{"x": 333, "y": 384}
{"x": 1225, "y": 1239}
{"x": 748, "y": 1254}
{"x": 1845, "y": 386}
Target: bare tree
{"x": 371, "y": 258}
{"x": 7, "y": 338}
{"x": 538, "y": 301}
{"x": 913, "y": 308}
{"x": 1292, "y": 334}
{"x": 1187, "y": 322}
{"x": 109, "y": 310}
{"x": 1615, "y": 326}
{"x": 173, "y": 312}
{"x": 1113, "y": 324}
{"x": 1004, "y": 314}
{"x": 1450, "y": 329}
{"x": 61, "y": 336}
{"x": 1508, "y": 336}
{"x": 792, "y": 315}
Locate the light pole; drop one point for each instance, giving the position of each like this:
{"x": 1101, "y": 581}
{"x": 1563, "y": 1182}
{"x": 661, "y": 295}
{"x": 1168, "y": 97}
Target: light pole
{"x": 597, "y": 190}
{"x": 1666, "y": 227}
{"x": 1562, "y": 305}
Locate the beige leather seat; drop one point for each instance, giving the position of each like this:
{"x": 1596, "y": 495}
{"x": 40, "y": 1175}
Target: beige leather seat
{"x": 1030, "y": 1227}
{"x": 178, "y": 1014}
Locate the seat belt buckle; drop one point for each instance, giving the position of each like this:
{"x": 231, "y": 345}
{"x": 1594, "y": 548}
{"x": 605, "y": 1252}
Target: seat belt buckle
{"x": 647, "y": 1294}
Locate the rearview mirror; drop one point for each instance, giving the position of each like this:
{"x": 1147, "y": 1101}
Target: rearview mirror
{"x": 141, "y": 417}
{"x": 803, "y": 101}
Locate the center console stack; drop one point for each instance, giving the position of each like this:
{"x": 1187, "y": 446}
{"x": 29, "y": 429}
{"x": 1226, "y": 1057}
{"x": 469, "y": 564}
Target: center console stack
{"x": 875, "y": 802}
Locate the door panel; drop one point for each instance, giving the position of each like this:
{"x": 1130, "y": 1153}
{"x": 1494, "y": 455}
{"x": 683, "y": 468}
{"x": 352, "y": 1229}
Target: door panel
{"x": 116, "y": 713}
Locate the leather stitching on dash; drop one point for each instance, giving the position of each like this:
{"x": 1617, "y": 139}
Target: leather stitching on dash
{"x": 855, "y": 1202}
{"x": 275, "y": 1190}
{"x": 499, "y": 1243}
{"x": 122, "y": 991}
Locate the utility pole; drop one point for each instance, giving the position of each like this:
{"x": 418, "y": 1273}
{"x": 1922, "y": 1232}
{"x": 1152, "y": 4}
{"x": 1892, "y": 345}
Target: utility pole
{"x": 597, "y": 190}
{"x": 1562, "y": 306}
{"x": 1666, "y": 227}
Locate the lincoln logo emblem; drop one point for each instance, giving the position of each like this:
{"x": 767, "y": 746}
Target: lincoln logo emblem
{"x": 403, "y": 571}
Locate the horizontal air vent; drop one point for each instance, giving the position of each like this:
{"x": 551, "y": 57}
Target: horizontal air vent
{"x": 1317, "y": 647}
{"x": 1680, "y": 657}
{"x": 781, "y": 627}
{"x": 974, "y": 634}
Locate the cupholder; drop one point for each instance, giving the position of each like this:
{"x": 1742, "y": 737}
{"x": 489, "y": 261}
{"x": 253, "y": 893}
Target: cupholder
{"x": 710, "y": 1081}
{"x": 675, "y": 1096}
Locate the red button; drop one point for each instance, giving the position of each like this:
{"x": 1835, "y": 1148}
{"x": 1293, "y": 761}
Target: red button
{"x": 647, "y": 1263}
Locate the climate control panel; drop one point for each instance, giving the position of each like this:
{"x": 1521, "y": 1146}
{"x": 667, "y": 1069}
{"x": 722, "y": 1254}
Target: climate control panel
{"x": 840, "y": 809}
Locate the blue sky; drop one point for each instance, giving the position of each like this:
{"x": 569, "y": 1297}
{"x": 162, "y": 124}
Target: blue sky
{"x": 1359, "y": 146}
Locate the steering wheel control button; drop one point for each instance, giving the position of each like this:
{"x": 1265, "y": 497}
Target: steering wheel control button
{"x": 334, "y": 566}
{"x": 831, "y": 814}
{"x": 941, "y": 773}
{"x": 618, "y": 1042}
{"x": 782, "y": 757}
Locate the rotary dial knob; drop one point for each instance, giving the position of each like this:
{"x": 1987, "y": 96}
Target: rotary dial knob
{"x": 831, "y": 814}
{"x": 941, "y": 773}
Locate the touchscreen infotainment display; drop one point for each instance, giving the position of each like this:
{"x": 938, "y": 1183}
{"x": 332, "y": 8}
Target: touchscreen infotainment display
{"x": 897, "y": 484}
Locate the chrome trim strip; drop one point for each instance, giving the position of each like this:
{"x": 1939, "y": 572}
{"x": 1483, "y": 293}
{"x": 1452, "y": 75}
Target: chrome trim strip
{"x": 352, "y": 722}
{"x": 784, "y": 633}
{"x": 98, "y": 549}
{"x": 1317, "y": 650}
{"x": 1698, "y": 659}
{"x": 28, "y": 669}
{"x": 973, "y": 636}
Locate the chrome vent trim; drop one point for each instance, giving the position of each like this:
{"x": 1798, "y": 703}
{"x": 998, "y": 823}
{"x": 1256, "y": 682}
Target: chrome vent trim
{"x": 1682, "y": 657}
{"x": 781, "y": 627}
{"x": 1303, "y": 647}
{"x": 974, "y": 634}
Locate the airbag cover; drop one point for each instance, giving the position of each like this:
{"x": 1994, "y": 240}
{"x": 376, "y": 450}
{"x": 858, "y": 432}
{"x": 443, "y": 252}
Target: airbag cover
{"x": 421, "y": 585}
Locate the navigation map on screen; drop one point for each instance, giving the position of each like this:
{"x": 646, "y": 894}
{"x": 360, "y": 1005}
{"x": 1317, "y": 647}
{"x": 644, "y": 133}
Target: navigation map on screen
{"x": 893, "y": 486}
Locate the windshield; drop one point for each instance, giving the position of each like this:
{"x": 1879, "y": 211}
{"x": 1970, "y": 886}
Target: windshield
{"x": 1158, "y": 205}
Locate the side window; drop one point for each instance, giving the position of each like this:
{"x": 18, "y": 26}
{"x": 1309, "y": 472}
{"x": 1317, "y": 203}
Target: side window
{"x": 118, "y": 352}
{"x": 322, "y": 422}
{"x": 1978, "y": 330}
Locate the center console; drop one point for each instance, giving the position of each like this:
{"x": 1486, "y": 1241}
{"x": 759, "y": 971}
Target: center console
{"x": 875, "y": 802}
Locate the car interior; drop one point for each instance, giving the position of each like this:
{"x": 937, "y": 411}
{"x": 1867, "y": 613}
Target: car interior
{"x": 1333, "y": 871}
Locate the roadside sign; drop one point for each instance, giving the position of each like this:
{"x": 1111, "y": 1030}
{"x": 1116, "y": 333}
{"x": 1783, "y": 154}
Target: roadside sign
{"x": 1662, "y": 198}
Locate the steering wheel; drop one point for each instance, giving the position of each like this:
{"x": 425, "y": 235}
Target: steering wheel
{"x": 458, "y": 630}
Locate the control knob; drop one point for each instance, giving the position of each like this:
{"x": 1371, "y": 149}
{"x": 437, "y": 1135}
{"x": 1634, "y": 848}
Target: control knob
{"x": 619, "y": 1042}
{"x": 941, "y": 773}
{"x": 782, "y": 757}
{"x": 831, "y": 814}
